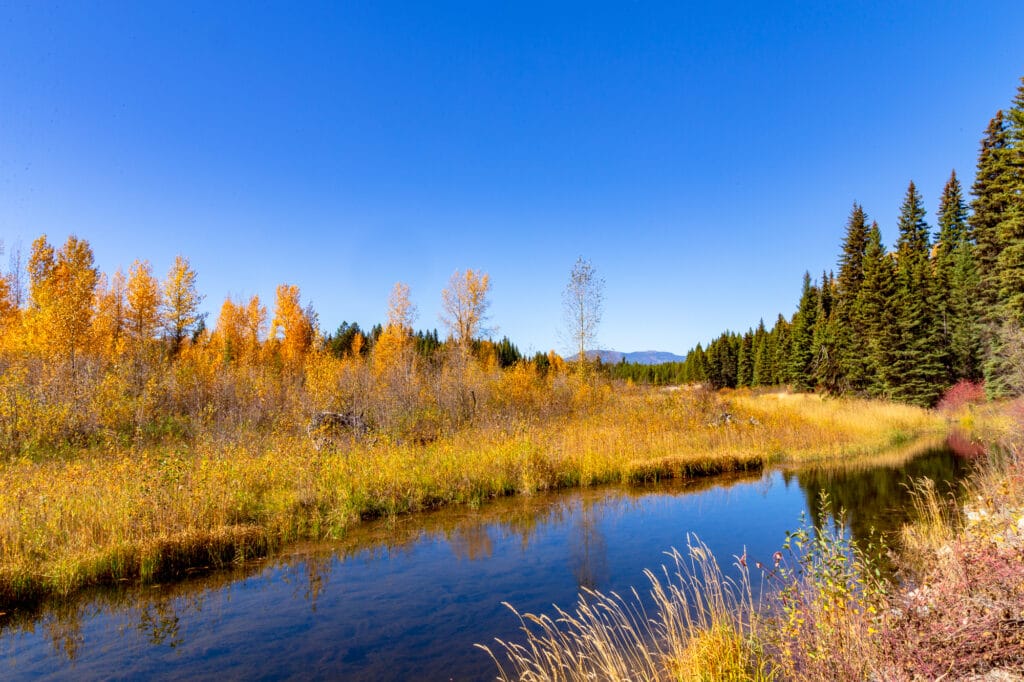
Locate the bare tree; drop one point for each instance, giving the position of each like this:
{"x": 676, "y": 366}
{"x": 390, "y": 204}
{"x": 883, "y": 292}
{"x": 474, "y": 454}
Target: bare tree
{"x": 465, "y": 304}
{"x": 16, "y": 276}
{"x": 401, "y": 311}
{"x": 582, "y": 302}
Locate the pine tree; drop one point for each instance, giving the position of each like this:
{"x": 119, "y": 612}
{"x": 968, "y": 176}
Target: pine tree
{"x": 966, "y": 342}
{"x": 801, "y": 352}
{"x": 762, "y": 369}
{"x": 874, "y": 314}
{"x": 988, "y": 209}
{"x": 853, "y": 364}
{"x": 918, "y": 360}
{"x": 825, "y": 364}
{"x": 954, "y": 293}
{"x": 696, "y": 365}
{"x": 780, "y": 341}
{"x": 745, "y": 360}
{"x": 1010, "y": 229}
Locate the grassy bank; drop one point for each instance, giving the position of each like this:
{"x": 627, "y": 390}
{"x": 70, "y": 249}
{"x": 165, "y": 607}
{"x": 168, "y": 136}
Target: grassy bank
{"x": 151, "y": 511}
{"x": 954, "y": 611}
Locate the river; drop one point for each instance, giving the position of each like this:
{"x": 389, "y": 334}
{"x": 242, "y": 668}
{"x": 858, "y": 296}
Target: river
{"x": 407, "y": 598}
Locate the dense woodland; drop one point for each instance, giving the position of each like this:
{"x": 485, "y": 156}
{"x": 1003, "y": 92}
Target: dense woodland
{"x": 943, "y": 306}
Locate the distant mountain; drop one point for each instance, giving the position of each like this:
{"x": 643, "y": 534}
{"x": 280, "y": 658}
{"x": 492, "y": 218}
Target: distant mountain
{"x": 644, "y": 357}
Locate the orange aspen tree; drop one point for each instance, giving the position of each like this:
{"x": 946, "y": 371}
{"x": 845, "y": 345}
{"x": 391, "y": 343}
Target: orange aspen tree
{"x": 255, "y": 327}
{"x": 7, "y": 306}
{"x": 8, "y": 313}
{"x": 391, "y": 349}
{"x": 181, "y": 302}
{"x": 292, "y": 329}
{"x": 108, "y": 324}
{"x": 143, "y": 313}
{"x": 62, "y": 287}
{"x": 464, "y": 305}
{"x": 229, "y": 334}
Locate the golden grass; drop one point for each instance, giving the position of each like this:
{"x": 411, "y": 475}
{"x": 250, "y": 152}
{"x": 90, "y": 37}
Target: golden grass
{"x": 955, "y": 612}
{"x": 702, "y": 627}
{"x": 148, "y": 511}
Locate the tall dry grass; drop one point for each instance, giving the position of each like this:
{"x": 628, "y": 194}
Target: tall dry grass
{"x": 698, "y": 624}
{"x": 955, "y": 611}
{"x": 144, "y": 508}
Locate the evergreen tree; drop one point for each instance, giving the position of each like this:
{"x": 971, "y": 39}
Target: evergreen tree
{"x": 780, "y": 342}
{"x": 990, "y": 191}
{"x": 953, "y": 308}
{"x": 1010, "y": 229}
{"x": 918, "y": 358}
{"x": 966, "y": 348}
{"x": 761, "y": 370}
{"x": 696, "y": 365}
{"x": 853, "y": 363}
{"x": 801, "y": 351}
{"x": 825, "y": 364}
{"x": 875, "y": 315}
{"x": 745, "y": 360}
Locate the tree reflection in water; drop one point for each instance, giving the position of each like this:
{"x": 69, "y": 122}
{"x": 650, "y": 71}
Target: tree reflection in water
{"x": 169, "y": 616}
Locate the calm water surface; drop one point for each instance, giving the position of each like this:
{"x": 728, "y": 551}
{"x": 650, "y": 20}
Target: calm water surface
{"x": 408, "y": 599}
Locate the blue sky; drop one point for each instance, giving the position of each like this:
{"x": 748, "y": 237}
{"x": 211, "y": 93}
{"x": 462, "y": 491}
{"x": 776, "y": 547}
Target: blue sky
{"x": 701, "y": 155}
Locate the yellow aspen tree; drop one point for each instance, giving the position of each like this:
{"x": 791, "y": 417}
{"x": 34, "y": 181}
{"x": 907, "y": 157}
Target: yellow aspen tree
{"x": 292, "y": 330}
{"x": 62, "y": 286}
{"x": 181, "y": 302}
{"x": 108, "y": 326}
{"x": 41, "y": 265}
{"x": 390, "y": 352}
{"x": 229, "y": 334}
{"x": 7, "y": 307}
{"x": 255, "y": 327}
{"x": 464, "y": 305}
{"x": 142, "y": 316}
{"x": 358, "y": 341}
{"x": 8, "y": 314}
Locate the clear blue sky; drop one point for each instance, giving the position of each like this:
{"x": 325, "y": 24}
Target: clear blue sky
{"x": 702, "y": 155}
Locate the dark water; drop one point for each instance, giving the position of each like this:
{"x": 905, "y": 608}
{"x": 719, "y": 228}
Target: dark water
{"x": 407, "y": 599}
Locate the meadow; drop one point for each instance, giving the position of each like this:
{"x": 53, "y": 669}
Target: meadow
{"x": 151, "y": 505}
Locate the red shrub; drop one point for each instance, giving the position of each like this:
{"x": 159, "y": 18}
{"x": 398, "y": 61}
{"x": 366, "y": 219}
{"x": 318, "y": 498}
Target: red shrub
{"x": 963, "y": 393}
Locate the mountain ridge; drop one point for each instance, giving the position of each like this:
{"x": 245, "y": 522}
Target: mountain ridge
{"x": 643, "y": 357}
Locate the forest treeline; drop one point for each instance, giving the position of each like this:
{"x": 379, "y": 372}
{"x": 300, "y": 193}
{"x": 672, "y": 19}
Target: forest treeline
{"x": 941, "y": 307}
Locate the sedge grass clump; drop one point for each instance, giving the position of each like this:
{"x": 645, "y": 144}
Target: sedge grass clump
{"x": 701, "y": 625}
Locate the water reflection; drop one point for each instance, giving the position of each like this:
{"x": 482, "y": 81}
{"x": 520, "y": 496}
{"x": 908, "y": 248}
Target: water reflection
{"x": 409, "y": 597}
{"x": 877, "y": 500}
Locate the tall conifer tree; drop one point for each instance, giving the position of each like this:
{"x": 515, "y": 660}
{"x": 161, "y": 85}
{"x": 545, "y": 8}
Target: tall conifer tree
{"x": 801, "y": 351}
{"x": 1010, "y": 229}
{"x": 919, "y": 367}
{"x": 989, "y": 206}
{"x": 853, "y": 363}
{"x": 953, "y": 236}
{"x": 875, "y": 314}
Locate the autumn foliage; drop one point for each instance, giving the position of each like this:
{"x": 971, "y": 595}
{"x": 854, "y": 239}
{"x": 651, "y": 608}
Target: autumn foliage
{"x": 92, "y": 358}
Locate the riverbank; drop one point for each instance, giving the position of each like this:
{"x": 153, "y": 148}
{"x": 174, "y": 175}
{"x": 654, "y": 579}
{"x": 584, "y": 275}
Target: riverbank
{"x": 955, "y": 610}
{"x": 154, "y": 511}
